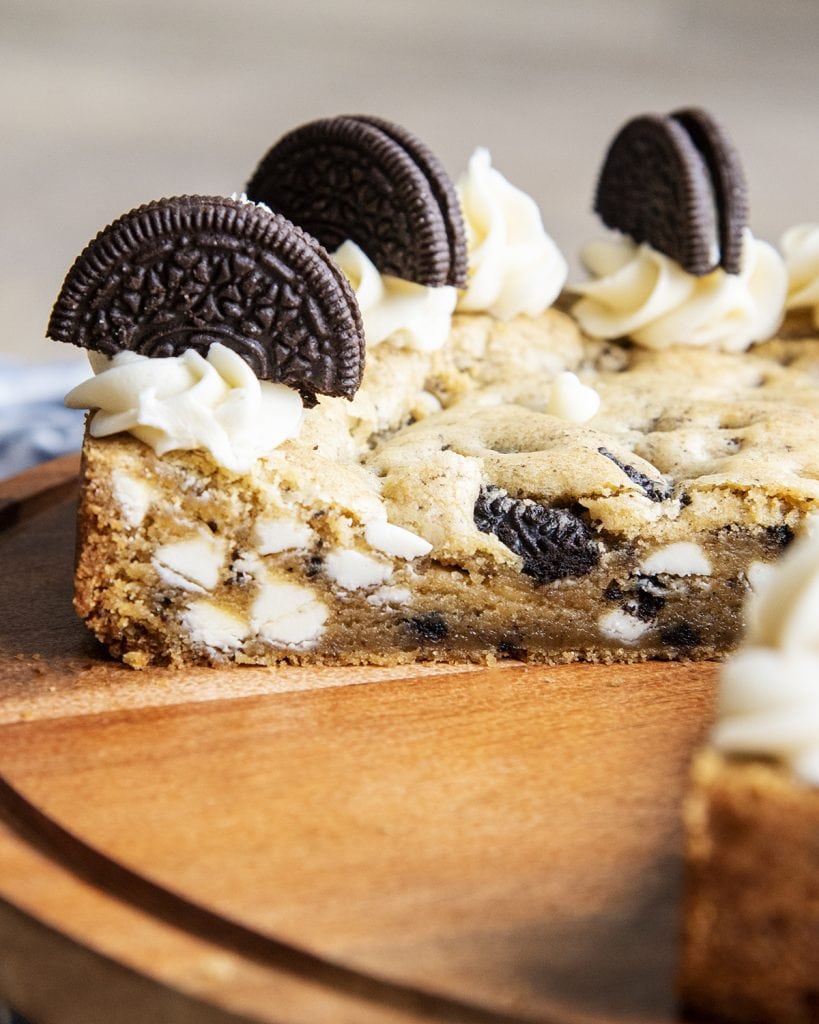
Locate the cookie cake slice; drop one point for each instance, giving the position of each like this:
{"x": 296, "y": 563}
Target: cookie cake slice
{"x": 403, "y": 451}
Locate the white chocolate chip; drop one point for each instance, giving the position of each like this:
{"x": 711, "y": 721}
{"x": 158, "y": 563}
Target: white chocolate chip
{"x": 618, "y": 625}
{"x": 390, "y": 595}
{"x": 133, "y": 496}
{"x": 198, "y": 560}
{"x": 571, "y": 400}
{"x": 175, "y": 579}
{"x": 247, "y": 563}
{"x": 395, "y": 540}
{"x": 209, "y": 624}
{"x": 285, "y": 533}
{"x": 288, "y": 613}
{"x": 352, "y": 570}
{"x": 681, "y": 559}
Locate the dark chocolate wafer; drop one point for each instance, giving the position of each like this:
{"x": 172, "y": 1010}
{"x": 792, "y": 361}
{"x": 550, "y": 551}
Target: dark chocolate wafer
{"x": 727, "y": 179}
{"x": 443, "y": 188}
{"x": 186, "y": 272}
{"x": 655, "y": 187}
{"x": 362, "y": 179}
{"x": 677, "y": 183}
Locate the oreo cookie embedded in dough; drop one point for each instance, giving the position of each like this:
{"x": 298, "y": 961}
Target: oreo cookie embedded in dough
{"x": 677, "y": 183}
{"x": 186, "y": 272}
{"x": 361, "y": 178}
{"x": 553, "y": 542}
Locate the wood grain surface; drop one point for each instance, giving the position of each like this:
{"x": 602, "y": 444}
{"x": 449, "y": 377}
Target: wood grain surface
{"x": 327, "y": 845}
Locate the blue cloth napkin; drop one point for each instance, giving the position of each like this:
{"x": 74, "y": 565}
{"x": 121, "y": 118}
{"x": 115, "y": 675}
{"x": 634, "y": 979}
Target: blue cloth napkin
{"x": 34, "y": 423}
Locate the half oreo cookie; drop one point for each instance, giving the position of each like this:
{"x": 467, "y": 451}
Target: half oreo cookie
{"x": 184, "y": 273}
{"x": 676, "y": 182}
{"x": 361, "y": 178}
{"x": 727, "y": 181}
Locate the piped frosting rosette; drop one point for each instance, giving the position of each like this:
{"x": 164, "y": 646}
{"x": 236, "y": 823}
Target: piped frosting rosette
{"x": 800, "y": 246}
{"x": 685, "y": 269}
{"x": 769, "y": 691}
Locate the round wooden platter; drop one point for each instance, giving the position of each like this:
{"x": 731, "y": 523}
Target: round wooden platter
{"x": 323, "y": 846}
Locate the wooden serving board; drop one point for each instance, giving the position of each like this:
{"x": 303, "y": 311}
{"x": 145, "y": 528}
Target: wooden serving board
{"x": 326, "y": 846}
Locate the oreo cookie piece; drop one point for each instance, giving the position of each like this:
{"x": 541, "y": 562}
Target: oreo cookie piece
{"x": 186, "y": 272}
{"x": 654, "y": 490}
{"x": 553, "y": 542}
{"x": 676, "y": 183}
{"x": 365, "y": 179}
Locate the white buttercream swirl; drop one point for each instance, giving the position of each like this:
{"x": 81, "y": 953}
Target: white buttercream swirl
{"x": 190, "y": 402}
{"x": 784, "y": 614}
{"x": 800, "y": 245}
{"x": 644, "y": 295}
{"x": 769, "y": 696}
{"x": 411, "y": 314}
{"x": 769, "y": 707}
{"x": 514, "y": 266}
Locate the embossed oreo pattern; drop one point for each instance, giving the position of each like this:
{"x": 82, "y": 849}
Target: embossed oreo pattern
{"x": 553, "y": 542}
{"x": 361, "y": 179}
{"x": 654, "y": 187}
{"x": 184, "y": 273}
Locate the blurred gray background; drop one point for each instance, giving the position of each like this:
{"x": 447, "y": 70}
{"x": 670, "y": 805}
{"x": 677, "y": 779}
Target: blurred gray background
{"x": 107, "y": 104}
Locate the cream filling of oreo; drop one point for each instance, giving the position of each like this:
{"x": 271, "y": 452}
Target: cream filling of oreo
{"x": 644, "y": 295}
{"x": 241, "y": 197}
{"x": 187, "y": 402}
{"x": 619, "y": 625}
{"x": 514, "y": 266}
{"x": 714, "y": 250}
{"x": 800, "y": 246}
{"x": 407, "y": 313}
{"x": 680, "y": 559}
